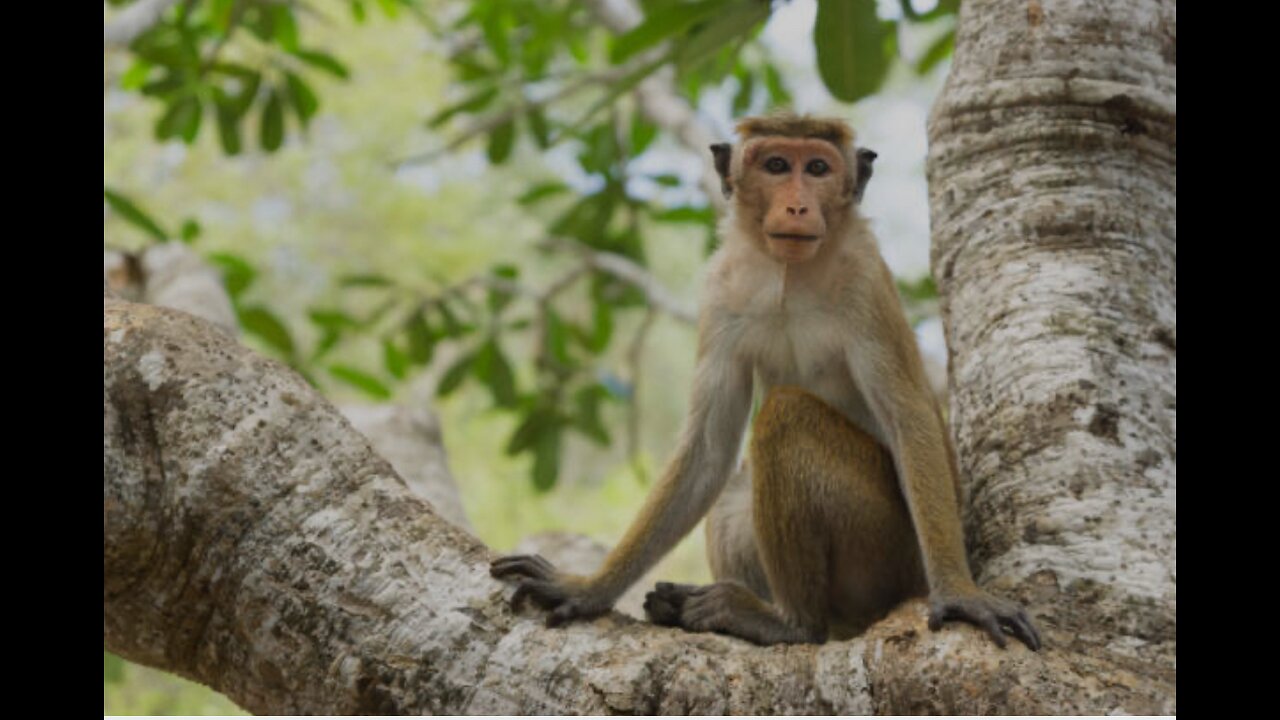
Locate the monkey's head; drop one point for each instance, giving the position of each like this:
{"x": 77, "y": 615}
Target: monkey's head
{"x": 793, "y": 181}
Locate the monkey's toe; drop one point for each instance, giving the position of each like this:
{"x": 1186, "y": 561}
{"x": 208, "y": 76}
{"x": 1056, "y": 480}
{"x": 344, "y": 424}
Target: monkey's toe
{"x": 661, "y": 610}
{"x": 529, "y": 566}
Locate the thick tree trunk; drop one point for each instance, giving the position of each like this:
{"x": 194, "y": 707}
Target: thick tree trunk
{"x": 253, "y": 541}
{"x": 1053, "y": 181}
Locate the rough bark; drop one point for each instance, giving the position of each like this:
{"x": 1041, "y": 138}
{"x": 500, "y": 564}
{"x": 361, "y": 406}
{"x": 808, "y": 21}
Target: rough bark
{"x": 255, "y": 542}
{"x": 1053, "y": 190}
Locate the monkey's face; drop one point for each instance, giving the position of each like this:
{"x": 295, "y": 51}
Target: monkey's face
{"x": 792, "y": 189}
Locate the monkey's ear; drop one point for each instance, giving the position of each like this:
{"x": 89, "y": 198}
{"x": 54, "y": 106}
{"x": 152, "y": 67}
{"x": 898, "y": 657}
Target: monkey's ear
{"x": 866, "y": 156}
{"x": 722, "y": 152}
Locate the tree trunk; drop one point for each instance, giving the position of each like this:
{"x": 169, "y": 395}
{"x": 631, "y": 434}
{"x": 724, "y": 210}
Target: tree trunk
{"x": 254, "y": 541}
{"x": 1053, "y": 181}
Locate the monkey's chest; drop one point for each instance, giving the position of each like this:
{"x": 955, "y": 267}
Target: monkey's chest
{"x": 801, "y": 346}
{"x": 808, "y": 348}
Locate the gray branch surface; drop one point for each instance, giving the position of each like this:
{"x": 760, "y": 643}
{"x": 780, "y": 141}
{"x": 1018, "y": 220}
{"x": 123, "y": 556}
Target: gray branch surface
{"x": 254, "y": 541}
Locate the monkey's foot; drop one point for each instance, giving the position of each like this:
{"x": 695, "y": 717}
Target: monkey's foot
{"x": 665, "y": 603}
{"x": 537, "y": 579}
{"x": 988, "y": 612}
{"x": 725, "y": 607}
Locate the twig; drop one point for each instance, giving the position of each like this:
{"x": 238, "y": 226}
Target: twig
{"x": 488, "y": 123}
{"x": 626, "y": 270}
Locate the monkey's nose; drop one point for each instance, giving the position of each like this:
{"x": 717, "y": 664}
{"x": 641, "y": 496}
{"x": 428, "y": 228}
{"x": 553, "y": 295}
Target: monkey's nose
{"x": 797, "y": 210}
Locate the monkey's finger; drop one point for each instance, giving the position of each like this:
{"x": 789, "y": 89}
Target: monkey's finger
{"x": 660, "y": 610}
{"x": 532, "y": 566}
{"x": 676, "y": 593}
{"x": 563, "y": 613}
{"x": 1024, "y": 630}
{"x": 991, "y": 624}
{"x": 937, "y": 613}
{"x": 544, "y": 593}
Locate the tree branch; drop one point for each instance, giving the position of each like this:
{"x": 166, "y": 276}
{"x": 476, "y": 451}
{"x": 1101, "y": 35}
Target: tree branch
{"x": 659, "y": 101}
{"x": 253, "y": 541}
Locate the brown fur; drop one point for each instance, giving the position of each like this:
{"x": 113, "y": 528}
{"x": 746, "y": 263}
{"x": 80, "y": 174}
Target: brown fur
{"x": 786, "y": 124}
{"x": 854, "y": 501}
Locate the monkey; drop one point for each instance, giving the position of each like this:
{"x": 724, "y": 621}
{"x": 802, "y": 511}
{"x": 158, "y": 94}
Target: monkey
{"x": 848, "y": 501}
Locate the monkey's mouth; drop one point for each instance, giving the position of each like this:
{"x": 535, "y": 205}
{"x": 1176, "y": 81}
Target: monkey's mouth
{"x": 792, "y": 236}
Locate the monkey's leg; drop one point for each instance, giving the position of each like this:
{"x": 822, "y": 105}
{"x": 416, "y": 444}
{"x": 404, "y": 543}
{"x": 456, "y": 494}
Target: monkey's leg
{"x": 832, "y": 528}
{"x": 731, "y": 536}
{"x": 737, "y": 603}
{"x": 826, "y": 526}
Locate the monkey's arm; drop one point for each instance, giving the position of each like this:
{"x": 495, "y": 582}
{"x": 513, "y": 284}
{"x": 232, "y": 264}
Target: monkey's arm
{"x": 690, "y": 483}
{"x": 885, "y": 363}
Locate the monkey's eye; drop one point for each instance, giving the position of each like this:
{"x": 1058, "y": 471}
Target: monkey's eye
{"x": 776, "y": 166}
{"x": 817, "y": 167}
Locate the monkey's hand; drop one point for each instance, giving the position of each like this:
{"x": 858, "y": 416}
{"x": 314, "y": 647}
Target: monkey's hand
{"x": 568, "y": 597}
{"x": 987, "y": 611}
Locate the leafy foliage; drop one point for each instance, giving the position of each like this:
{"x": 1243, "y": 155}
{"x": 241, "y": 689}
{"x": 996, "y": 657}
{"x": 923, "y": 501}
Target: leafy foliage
{"x": 529, "y": 75}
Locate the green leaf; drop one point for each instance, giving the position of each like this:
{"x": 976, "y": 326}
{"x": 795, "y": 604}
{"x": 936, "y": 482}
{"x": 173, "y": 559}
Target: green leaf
{"x": 220, "y": 14}
{"x": 546, "y": 459}
{"x": 492, "y": 368}
{"x": 368, "y": 280}
{"x": 285, "y": 27}
{"x": 471, "y": 104}
{"x": 537, "y": 422}
{"x": 601, "y": 327}
{"x": 357, "y": 11}
{"x": 850, "y": 44}
{"x": 190, "y": 231}
{"x": 733, "y": 21}
{"x": 556, "y": 338}
{"x": 746, "y": 88}
{"x": 587, "y": 402}
{"x": 501, "y": 140}
{"x": 498, "y": 298}
{"x": 182, "y": 119}
{"x": 685, "y": 215}
{"x": 135, "y": 77}
{"x": 778, "y": 93}
{"x": 228, "y": 126}
{"x": 301, "y": 97}
{"x": 453, "y": 328}
{"x": 272, "y": 133}
{"x": 643, "y": 133}
{"x": 672, "y": 19}
{"x": 538, "y": 128}
{"x": 542, "y": 190}
{"x": 422, "y": 342}
{"x": 919, "y": 290}
{"x": 323, "y": 61}
{"x": 134, "y": 215}
{"x": 454, "y": 376}
{"x": 247, "y": 93}
{"x": 666, "y": 180}
{"x": 261, "y": 322}
{"x": 394, "y": 359}
{"x": 496, "y": 27}
{"x": 332, "y": 320}
{"x": 940, "y": 50}
{"x": 237, "y": 273}
{"x": 361, "y": 381}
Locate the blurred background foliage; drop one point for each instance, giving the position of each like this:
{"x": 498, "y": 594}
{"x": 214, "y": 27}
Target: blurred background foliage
{"x": 474, "y": 205}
